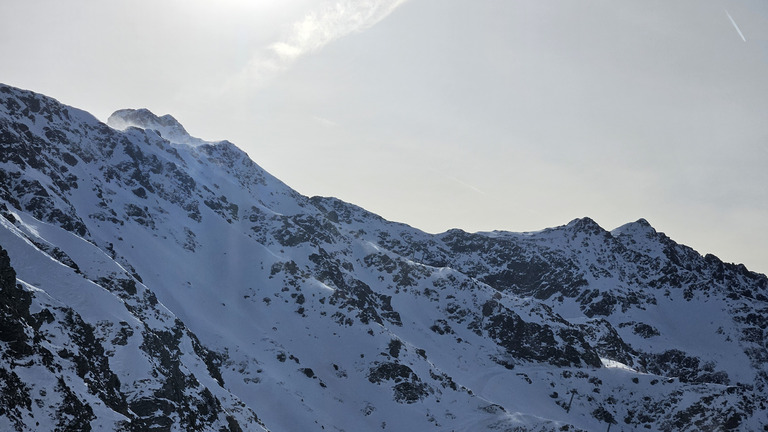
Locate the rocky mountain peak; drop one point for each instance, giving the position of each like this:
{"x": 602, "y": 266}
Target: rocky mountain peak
{"x": 167, "y": 126}
{"x": 640, "y": 226}
{"x": 640, "y": 235}
{"x": 585, "y": 225}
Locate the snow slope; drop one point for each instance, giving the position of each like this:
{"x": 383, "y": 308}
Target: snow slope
{"x": 158, "y": 281}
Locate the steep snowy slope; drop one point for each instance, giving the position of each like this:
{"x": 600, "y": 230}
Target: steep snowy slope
{"x": 157, "y": 280}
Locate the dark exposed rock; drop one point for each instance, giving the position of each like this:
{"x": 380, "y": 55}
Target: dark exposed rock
{"x": 391, "y": 371}
{"x": 73, "y": 414}
{"x": 645, "y": 330}
{"x": 14, "y": 311}
{"x": 92, "y": 365}
{"x": 534, "y": 342}
{"x": 607, "y": 342}
{"x": 676, "y": 363}
{"x": 410, "y": 392}
{"x": 408, "y": 386}
{"x": 394, "y": 347}
{"x": 14, "y": 398}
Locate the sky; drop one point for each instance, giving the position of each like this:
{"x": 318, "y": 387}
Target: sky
{"x": 479, "y": 115}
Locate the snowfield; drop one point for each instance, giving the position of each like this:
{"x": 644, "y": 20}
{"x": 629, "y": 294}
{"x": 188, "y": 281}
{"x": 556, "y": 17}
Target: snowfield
{"x": 154, "y": 281}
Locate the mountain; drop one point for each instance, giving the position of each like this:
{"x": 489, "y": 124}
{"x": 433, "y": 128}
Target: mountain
{"x": 154, "y": 281}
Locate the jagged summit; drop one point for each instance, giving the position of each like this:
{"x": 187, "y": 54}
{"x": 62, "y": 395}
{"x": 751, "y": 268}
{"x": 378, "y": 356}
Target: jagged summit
{"x": 639, "y": 227}
{"x": 583, "y": 225}
{"x": 167, "y": 126}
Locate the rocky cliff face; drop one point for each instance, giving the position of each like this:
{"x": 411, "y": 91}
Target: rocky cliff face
{"x": 151, "y": 280}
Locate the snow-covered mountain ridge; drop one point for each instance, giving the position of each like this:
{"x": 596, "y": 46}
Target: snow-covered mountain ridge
{"x": 154, "y": 281}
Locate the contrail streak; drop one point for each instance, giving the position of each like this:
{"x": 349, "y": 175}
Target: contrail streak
{"x": 735, "y": 26}
{"x": 467, "y": 185}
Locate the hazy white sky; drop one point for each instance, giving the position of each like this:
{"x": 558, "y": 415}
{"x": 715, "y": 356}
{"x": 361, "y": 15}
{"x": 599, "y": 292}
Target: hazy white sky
{"x": 482, "y": 114}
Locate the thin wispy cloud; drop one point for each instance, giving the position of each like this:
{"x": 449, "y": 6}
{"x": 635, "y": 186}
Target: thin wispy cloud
{"x": 458, "y": 181}
{"x": 324, "y": 121}
{"x": 466, "y": 185}
{"x": 334, "y": 20}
